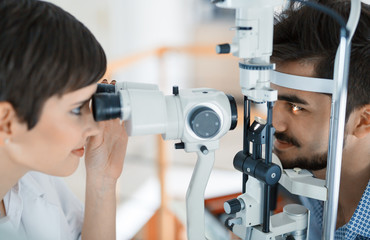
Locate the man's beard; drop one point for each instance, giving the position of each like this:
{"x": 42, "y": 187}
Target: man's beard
{"x": 315, "y": 162}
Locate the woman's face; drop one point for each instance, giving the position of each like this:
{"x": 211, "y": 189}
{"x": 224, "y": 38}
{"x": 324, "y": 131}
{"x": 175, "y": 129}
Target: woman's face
{"x": 56, "y": 144}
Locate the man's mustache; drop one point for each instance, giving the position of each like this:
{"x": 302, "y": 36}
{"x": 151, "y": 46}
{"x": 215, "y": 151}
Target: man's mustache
{"x": 281, "y": 136}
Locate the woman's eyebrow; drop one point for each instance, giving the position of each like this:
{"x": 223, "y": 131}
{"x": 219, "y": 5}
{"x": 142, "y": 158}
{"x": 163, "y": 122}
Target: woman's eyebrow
{"x": 80, "y": 103}
{"x": 293, "y": 99}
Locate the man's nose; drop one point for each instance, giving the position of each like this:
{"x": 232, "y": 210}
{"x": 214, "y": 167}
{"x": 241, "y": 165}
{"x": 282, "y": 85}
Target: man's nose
{"x": 278, "y": 119}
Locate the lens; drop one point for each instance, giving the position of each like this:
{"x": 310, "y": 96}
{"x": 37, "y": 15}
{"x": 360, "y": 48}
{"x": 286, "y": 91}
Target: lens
{"x": 205, "y": 122}
{"x": 106, "y": 106}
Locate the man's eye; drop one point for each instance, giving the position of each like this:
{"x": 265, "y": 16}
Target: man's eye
{"x": 295, "y": 108}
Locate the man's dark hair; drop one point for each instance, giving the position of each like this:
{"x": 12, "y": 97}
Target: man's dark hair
{"x": 44, "y": 51}
{"x": 308, "y": 35}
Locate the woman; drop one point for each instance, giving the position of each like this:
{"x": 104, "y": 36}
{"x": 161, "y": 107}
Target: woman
{"x": 49, "y": 66}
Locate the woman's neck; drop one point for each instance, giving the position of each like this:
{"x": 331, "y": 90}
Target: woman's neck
{"x": 10, "y": 173}
{"x": 2, "y": 209}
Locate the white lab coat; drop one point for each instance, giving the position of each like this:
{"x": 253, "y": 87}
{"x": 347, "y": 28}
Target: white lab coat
{"x": 41, "y": 207}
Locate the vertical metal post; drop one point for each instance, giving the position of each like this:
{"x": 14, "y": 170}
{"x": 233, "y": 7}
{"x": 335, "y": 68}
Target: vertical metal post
{"x": 246, "y": 124}
{"x": 270, "y": 130}
{"x": 335, "y": 150}
{"x": 268, "y": 160}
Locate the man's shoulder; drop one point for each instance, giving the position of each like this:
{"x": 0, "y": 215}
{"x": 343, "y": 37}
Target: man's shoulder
{"x": 360, "y": 222}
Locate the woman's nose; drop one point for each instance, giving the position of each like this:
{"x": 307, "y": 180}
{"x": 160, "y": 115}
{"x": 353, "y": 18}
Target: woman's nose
{"x": 92, "y": 127}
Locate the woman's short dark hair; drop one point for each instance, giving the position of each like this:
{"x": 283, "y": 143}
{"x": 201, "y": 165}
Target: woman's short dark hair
{"x": 44, "y": 51}
{"x": 305, "y": 34}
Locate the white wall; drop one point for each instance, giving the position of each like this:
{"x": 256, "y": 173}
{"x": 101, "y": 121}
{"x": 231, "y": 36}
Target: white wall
{"x": 125, "y": 26}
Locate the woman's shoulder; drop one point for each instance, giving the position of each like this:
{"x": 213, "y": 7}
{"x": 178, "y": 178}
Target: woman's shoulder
{"x": 36, "y": 183}
{"x": 51, "y": 188}
{"x": 40, "y": 200}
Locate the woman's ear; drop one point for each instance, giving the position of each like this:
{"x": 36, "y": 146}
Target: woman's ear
{"x": 362, "y": 122}
{"x": 7, "y": 117}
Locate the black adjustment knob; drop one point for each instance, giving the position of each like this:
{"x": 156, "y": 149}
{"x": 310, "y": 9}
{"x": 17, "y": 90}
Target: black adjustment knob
{"x": 223, "y": 48}
{"x": 204, "y": 150}
{"x": 229, "y": 225}
{"x": 179, "y": 145}
{"x": 232, "y": 206}
{"x": 175, "y": 90}
{"x": 273, "y": 174}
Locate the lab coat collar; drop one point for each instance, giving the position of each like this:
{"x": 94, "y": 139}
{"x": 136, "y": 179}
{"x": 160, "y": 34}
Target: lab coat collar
{"x": 28, "y": 205}
{"x": 14, "y": 199}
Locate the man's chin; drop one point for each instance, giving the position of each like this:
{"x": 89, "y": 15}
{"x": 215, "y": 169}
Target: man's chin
{"x": 313, "y": 163}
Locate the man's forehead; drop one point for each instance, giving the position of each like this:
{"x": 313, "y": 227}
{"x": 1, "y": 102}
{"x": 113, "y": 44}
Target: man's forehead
{"x": 308, "y": 84}
{"x": 283, "y": 91}
{"x": 298, "y": 96}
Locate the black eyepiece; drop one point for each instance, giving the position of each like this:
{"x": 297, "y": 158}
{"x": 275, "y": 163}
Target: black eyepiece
{"x": 106, "y": 106}
{"x": 106, "y": 88}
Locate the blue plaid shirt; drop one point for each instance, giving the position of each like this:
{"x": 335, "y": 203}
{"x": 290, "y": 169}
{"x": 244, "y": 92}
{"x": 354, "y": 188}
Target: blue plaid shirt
{"x": 358, "y": 228}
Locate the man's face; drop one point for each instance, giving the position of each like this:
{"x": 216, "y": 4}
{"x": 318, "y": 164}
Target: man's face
{"x": 301, "y": 120}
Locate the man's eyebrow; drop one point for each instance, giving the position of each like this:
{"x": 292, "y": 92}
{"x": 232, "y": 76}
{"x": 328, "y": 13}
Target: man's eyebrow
{"x": 292, "y": 98}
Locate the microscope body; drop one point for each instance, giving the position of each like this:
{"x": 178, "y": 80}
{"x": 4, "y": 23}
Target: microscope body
{"x": 197, "y": 117}
{"x": 191, "y": 115}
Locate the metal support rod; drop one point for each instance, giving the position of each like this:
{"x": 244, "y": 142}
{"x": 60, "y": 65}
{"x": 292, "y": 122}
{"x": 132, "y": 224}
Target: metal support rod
{"x": 257, "y": 151}
{"x": 270, "y": 130}
{"x": 266, "y": 208}
{"x": 268, "y": 160}
{"x": 335, "y": 150}
{"x": 246, "y": 123}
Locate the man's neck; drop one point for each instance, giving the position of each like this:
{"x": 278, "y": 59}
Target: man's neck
{"x": 352, "y": 187}
{"x": 355, "y": 175}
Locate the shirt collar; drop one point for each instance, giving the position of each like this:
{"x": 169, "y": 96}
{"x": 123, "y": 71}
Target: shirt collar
{"x": 360, "y": 221}
{"x": 31, "y": 186}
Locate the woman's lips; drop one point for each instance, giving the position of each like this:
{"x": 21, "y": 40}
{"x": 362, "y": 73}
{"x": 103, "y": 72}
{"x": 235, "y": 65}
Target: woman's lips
{"x": 282, "y": 145}
{"x": 79, "y": 152}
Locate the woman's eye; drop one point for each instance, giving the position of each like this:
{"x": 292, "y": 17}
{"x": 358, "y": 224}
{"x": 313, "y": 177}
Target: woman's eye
{"x": 76, "y": 111}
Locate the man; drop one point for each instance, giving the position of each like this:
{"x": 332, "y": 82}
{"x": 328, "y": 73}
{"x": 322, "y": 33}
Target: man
{"x": 305, "y": 44}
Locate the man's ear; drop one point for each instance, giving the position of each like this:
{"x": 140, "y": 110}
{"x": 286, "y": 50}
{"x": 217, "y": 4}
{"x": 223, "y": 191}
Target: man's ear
{"x": 7, "y": 117}
{"x": 362, "y": 127}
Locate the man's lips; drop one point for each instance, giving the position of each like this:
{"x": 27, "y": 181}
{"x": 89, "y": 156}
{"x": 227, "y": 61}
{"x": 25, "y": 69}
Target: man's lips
{"x": 79, "y": 152}
{"x": 282, "y": 145}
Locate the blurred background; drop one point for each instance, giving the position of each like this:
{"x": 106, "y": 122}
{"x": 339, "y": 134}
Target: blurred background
{"x": 166, "y": 42}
